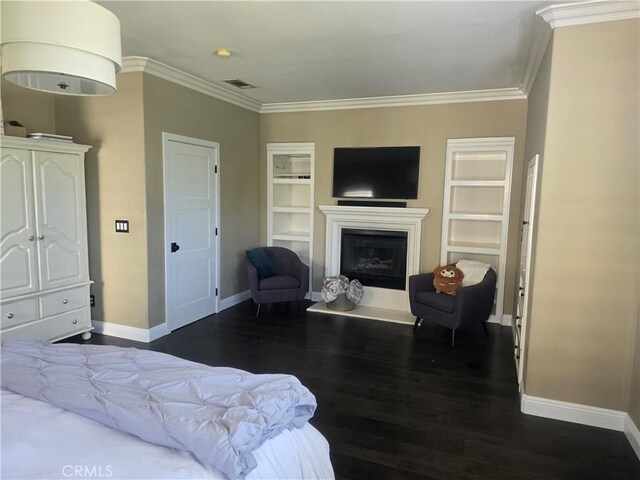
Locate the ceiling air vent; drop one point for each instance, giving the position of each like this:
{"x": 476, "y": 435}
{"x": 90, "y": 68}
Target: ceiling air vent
{"x": 239, "y": 83}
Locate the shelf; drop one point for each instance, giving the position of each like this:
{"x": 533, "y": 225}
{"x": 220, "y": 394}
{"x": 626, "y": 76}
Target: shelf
{"x": 292, "y": 209}
{"x": 294, "y": 236}
{"x": 478, "y": 183}
{"x": 291, "y": 181}
{"x": 474, "y": 247}
{"x": 476, "y": 216}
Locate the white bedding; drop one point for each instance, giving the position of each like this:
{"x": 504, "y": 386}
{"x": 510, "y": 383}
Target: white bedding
{"x": 42, "y": 441}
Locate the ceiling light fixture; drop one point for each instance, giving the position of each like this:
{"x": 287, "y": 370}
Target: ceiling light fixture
{"x": 223, "y": 52}
{"x": 72, "y": 48}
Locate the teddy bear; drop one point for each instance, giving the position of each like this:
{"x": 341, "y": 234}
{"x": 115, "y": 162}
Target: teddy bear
{"x": 447, "y": 279}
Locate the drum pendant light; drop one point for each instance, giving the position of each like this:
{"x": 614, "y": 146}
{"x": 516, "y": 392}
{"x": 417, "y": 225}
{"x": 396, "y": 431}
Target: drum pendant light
{"x": 67, "y": 47}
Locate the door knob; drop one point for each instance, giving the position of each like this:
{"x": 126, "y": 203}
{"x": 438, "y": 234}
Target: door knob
{"x": 174, "y": 247}
{"x": 31, "y": 238}
{"x": 40, "y": 237}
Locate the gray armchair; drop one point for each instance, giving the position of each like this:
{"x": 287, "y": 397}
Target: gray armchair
{"x": 287, "y": 279}
{"x": 470, "y": 305}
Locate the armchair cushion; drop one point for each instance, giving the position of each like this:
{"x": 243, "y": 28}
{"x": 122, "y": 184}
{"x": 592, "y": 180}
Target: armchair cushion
{"x": 262, "y": 262}
{"x": 444, "y": 303}
{"x": 279, "y": 282}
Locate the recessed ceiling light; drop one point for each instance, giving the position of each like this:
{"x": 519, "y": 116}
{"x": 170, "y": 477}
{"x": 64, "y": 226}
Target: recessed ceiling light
{"x": 223, "y": 52}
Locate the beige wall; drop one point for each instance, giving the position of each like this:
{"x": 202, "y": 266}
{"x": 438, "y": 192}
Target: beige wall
{"x": 538, "y": 102}
{"x": 584, "y": 309}
{"x": 34, "y": 110}
{"x": 426, "y": 126}
{"x": 634, "y": 390}
{"x": 115, "y": 170}
{"x": 174, "y": 109}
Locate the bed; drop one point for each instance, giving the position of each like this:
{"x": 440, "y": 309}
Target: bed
{"x": 93, "y": 437}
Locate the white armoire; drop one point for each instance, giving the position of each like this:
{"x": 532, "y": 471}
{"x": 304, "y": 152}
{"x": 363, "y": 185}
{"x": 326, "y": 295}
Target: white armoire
{"x": 44, "y": 268}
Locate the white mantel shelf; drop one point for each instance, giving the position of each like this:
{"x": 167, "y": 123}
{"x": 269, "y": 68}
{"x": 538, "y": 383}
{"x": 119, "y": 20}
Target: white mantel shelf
{"x": 377, "y": 303}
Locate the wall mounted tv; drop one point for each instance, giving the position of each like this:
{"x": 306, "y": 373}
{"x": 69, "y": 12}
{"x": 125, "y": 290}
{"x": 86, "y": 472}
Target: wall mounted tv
{"x": 376, "y": 172}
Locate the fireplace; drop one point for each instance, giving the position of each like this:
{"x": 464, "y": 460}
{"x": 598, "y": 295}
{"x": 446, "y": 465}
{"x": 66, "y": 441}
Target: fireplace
{"x": 377, "y": 258}
{"x": 388, "y": 303}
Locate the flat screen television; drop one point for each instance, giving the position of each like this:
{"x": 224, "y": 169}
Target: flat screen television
{"x": 376, "y": 172}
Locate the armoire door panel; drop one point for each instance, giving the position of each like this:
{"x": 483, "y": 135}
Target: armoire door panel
{"x": 18, "y": 262}
{"x": 60, "y": 217}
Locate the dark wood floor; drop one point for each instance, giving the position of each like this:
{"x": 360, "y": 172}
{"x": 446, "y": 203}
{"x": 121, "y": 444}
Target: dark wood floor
{"x": 398, "y": 406}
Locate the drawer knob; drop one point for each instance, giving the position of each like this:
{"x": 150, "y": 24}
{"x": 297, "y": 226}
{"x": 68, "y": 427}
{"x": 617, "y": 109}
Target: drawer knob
{"x": 74, "y": 321}
{"x": 10, "y": 315}
{"x": 65, "y": 301}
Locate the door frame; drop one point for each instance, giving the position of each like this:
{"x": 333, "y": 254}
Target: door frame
{"x": 534, "y": 164}
{"x": 215, "y": 146}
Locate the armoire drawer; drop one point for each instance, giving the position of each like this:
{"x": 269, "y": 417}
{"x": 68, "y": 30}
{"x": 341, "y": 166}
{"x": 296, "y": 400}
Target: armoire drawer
{"x": 64, "y": 301}
{"x": 17, "y": 313}
{"x": 52, "y": 328}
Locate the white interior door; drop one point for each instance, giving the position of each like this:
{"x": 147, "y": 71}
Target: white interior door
{"x": 191, "y": 229}
{"x": 524, "y": 273}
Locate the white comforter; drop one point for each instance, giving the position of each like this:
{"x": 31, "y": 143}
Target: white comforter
{"x": 220, "y": 415}
{"x": 41, "y": 441}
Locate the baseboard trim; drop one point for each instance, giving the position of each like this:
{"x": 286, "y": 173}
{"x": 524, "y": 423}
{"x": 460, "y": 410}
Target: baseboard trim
{"x": 573, "y": 412}
{"x": 633, "y": 434}
{"x": 234, "y": 299}
{"x": 504, "y": 321}
{"x": 130, "y": 333}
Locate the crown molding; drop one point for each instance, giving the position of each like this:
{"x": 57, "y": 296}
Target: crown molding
{"x": 539, "y": 42}
{"x": 396, "y": 101}
{"x": 155, "y": 68}
{"x": 594, "y": 11}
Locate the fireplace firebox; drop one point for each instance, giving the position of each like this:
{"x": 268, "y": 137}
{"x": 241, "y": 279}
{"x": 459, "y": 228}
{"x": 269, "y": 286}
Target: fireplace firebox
{"x": 377, "y": 258}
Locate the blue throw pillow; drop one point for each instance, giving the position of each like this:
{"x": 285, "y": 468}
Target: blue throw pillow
{"x": 262, "y": 262}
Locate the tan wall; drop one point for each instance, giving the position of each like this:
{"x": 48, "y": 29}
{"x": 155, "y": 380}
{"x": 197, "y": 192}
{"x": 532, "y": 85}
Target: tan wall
{"x": 538, "y": 102}
{"x": 585, "y": 304}
{"x": 426, "y": 126}
{"x": 174, "y": 109}
{"x": 34, "y": 110}
{"x": 115, "y": 170}
{"x": 634, "y": 390}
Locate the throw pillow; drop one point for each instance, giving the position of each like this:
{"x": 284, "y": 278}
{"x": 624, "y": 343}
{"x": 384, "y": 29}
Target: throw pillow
{"x": 474, "y": 271}
{"x": 262, "y": 262}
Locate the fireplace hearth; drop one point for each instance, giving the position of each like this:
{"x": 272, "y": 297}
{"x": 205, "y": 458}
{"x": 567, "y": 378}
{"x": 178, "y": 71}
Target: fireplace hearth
{"x": 377, "y": 258}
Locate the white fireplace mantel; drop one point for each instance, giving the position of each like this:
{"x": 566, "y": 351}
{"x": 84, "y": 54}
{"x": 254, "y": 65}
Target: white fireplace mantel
{"x": 407, "y": 220}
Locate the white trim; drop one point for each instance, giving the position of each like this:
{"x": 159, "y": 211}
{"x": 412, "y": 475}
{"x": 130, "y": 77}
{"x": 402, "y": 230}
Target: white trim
{"x": 595, "y": 11}
{"x": 145, "y": 335}
{"x": 573, "y": 412}
{"x": 160, "y": 70}
{"x": 539, "y": 42}
{"x": 505, "y": 321}
{"x": 396, "y": 101}
{"x": 633, "y": 434}
{"x": 229, "y": 302}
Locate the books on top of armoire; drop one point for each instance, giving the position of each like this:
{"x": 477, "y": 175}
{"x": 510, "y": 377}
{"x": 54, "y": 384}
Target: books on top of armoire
{"x": 51, "y": 137}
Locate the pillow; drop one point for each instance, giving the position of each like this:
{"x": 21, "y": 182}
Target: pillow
{"x": 474, "y": 272}
{"x": 262, "y": 262}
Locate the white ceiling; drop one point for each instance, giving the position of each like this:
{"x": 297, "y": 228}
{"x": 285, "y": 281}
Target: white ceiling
{"x": 306, "y": 51}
